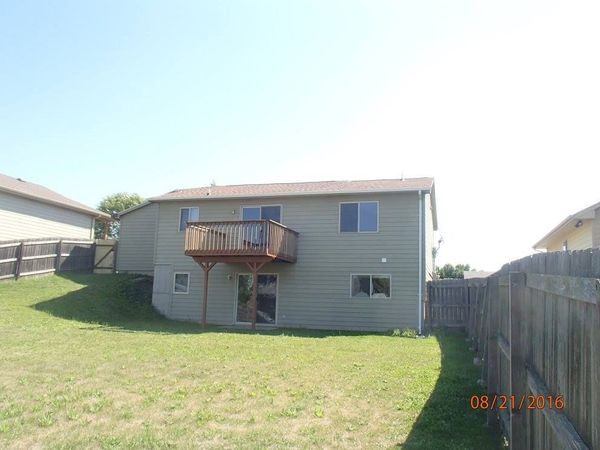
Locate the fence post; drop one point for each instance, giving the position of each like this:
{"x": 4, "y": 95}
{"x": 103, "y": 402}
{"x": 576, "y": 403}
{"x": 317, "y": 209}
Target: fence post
{"x": 92, "y": 258}
{"x": 492, "y": 344}
{"x": 19, "y": 260}
{"x": 467, "y": 310}
{"x": 58, "y": 256}
{"x": 426, "y": 313}
{"x": 518, "y": 370}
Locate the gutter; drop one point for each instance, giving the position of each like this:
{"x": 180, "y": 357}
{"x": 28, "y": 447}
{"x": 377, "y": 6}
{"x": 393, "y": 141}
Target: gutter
{"x": 421, "y": 235}
{"x": 165, "y": 198}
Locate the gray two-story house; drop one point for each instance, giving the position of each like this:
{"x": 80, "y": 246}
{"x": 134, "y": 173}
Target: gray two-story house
{"x": 334, "y": 255}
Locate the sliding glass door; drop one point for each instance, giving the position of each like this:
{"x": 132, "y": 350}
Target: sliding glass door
{"x": 266, "y": 299}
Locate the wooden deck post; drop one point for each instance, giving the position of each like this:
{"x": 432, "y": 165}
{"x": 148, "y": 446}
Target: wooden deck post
{"x": 254, "y": 267}
{"x": 206, "y": 267}
{"x": 254, "y": 299}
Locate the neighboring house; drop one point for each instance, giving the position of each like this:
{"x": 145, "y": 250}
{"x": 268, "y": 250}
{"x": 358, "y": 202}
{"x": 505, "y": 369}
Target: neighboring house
{"x": 468, "y": 274}
{"x": 330, "y": 255}
{"x": 577, "y": 232}
{"x": 30, "y": 211}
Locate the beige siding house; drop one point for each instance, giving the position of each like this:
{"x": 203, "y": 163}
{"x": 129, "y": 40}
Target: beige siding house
{"x": 360, "y": 257}
{"x": 577, "y": 232}
{"x": 30, "y": 211}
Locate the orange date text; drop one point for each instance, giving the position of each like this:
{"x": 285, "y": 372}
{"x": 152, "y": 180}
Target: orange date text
{"x": 517, "y": 402}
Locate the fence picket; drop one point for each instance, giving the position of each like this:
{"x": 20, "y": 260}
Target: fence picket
{"x": 537, "y": 331}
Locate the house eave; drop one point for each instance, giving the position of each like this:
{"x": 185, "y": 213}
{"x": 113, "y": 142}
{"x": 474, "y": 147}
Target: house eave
{"x": 292, "y": 194}
{"x": 89, "y": 212}
{"x": 588, "y": 213}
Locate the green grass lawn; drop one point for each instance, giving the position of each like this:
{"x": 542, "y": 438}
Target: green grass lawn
{"x": 85, "y": 362}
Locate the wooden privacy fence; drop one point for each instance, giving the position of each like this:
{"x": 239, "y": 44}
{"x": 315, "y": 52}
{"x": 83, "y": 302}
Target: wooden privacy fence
{"x": 41, "y": 256}
{"x": 535, "y": 326}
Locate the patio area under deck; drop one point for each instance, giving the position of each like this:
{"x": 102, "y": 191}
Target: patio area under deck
{"x": 252, "y": 242}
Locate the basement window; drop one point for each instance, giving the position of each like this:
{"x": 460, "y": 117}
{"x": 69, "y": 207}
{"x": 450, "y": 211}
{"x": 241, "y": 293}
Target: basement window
{"x": 371, "y": 286}
{"x": 186, "y": 215}
{"x": 181, "y": 283}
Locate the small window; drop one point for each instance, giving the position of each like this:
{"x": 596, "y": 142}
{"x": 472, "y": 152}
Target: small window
{"x": 371, "y": 286}
{"x": 361, "y": 217}
{"x": 188, "y": 215}
{"x": 181, "y": 283}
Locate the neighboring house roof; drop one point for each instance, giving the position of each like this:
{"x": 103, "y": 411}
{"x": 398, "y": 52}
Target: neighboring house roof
{"x": 569, "y": 222}
{"x": 468, "y": 274}
{"x": 302, "y": 189}
{"x": 42, "y": 194}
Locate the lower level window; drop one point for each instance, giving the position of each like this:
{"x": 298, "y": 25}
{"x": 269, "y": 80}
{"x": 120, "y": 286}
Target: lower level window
{"x": 372, "y": 286}
{"x": 181, "y": 283}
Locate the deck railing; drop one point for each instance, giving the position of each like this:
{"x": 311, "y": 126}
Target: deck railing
{"x": 241, "y": 238}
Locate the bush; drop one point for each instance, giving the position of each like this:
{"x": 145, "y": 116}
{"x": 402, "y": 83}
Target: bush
{"x": 405, "y": 332}
{"x": 137, "y": 289}
{"x": 133, "y": 297}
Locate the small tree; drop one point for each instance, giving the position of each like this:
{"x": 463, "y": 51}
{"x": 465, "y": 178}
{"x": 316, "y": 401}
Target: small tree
{"x": 450, "y": 271}
{"x": 113, "y": 204}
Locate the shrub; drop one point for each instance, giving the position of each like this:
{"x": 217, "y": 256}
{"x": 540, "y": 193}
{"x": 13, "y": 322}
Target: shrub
{"x": 405, "y": 332}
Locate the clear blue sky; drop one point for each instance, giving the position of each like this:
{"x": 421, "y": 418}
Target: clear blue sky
{"x": 146, "y": 97}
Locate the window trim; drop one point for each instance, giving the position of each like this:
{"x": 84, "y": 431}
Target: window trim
{"x": 179, "y": 217}
{"x": 358, "y": 222}
{"x": 371, "y": 275}
{"x": 262, "y": 206}
{"x": 189, "y": 278}
{"x": 235, "y": 299}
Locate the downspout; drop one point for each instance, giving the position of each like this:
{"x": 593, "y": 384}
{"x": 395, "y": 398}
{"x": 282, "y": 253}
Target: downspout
{"x": 420, "y": 302}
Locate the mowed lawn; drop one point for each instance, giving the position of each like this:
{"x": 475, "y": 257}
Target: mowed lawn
{"x": 86, "y": 363}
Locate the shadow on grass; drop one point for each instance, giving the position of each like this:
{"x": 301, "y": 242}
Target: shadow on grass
{"x": 123, "y": 302}
{"x": 447, "y": 420}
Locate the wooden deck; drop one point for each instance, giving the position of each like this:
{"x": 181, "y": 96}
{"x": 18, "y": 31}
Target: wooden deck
{"x": 240, "y": 241}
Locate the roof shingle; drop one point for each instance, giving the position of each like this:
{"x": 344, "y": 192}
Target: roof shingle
{"x": 305, "y": 188}
{"x": 43, "y": 194}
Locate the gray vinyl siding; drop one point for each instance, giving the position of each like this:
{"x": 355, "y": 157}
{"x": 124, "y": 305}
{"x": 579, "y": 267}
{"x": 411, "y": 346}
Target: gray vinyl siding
{"x": 137, "y": 237}
{"x": 315, "y": 291}
{"x": 22, "y": 218}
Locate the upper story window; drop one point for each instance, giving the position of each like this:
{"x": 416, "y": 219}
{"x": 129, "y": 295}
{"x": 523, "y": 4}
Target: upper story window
{"x": 186, "y": 215}
{"x": 359, "y": 217}
{"x": 267, "y": 212}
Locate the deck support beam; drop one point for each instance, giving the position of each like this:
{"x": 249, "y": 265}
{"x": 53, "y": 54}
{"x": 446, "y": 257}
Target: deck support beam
{"x": 206, "y": 266}
{"x": 254, "y": 268}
